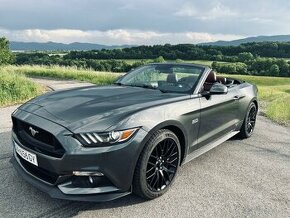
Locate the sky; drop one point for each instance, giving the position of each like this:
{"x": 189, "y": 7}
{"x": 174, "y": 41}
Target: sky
{"x": 136, "y": 22}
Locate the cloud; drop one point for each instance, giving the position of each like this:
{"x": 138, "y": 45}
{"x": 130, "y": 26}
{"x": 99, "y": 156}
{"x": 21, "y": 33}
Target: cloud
{"x": 217, "y": 11}
{"x": 227, "y": 17}
{"x": 115, "y": 36}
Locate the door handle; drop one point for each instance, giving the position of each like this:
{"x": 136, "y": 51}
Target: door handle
{"x": 236, "y": 97}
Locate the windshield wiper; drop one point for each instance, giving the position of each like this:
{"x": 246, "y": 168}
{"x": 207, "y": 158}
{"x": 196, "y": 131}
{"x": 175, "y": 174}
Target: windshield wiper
{"x": 118, "y": 84}
{"x": 163, "y": 91}
{"x": 146, "y": 86}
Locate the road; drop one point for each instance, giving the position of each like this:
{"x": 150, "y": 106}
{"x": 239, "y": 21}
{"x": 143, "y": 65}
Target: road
{"x": 249, "y": 178}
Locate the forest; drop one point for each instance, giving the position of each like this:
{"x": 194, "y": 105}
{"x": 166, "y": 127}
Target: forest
{"x": 264, "y": 58}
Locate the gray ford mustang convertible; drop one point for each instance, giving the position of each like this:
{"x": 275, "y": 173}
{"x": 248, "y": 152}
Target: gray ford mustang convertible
{"x": 102, "y": 143}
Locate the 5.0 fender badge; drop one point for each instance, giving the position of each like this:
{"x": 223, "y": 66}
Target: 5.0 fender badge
{"x": 194, "y": 121}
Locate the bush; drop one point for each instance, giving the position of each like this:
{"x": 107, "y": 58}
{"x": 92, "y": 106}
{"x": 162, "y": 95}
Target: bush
{"x": 230, "y": 68}
{"x": 245, "y": 56}
{"x": 274, "y": 70}
{"x": 15, "y": 88}
{"x": 160, "y": 59}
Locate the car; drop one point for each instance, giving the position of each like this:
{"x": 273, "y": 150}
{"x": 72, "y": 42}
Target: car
{"x": 99, "y": 143}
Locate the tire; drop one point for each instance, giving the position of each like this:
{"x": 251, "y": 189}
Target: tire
{"x": 248, "y": 125}
{"x": 157, "y": 165}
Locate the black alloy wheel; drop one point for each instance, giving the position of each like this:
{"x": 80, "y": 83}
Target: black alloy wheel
{"x": 162, "y": 165}
{"x": 251, "y": 120}
{"x": 249, "y": 123}
{"x": 157, "y": 165}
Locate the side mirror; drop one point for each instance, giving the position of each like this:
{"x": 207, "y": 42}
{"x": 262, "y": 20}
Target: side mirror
{"x": 218, "y": 89}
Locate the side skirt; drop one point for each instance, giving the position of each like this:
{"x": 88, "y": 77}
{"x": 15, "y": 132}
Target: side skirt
{"x": 209, "y": 146}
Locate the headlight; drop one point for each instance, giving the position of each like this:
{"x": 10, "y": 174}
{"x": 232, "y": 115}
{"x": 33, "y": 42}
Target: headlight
{"x": 93, "y": 139}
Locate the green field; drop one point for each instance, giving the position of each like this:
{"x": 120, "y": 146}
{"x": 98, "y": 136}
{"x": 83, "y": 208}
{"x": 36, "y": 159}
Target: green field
{"x": 274, "y": 92}
{"x": 274, "y": 95}
{"x": 132, "y": 61}
{"x": 70, "y": 73}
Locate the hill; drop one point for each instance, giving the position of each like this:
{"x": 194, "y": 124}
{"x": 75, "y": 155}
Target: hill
{"x": 53, "y": 46}
{"x": 277, "y": 38}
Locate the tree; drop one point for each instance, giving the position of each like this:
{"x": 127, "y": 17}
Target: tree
{"x": 284, "y": 67}
{"x": 214, "y": 65}
{"x": 274, "y": 70}
{"x": 160, "y": 59}
{"x": 6, "y": 57}
{"x": 245, "y": 56}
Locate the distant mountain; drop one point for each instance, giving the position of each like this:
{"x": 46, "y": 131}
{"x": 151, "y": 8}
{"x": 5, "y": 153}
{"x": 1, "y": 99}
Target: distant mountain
{"x": 54, "y": 46}
{"x": 277, "y": 38}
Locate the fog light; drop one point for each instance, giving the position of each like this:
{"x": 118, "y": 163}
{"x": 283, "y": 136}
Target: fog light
{"x": 91, "y": 180}
{"x": 95, "y": 180}
{"x": 87, "y": 173}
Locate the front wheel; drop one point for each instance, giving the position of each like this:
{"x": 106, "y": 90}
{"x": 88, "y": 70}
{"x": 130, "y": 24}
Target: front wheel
{"x": 157, "y": 165}
{"x": 249, "y": 123}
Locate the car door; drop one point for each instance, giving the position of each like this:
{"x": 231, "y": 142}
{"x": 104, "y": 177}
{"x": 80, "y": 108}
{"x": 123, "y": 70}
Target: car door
{"x": 218, "y": 116}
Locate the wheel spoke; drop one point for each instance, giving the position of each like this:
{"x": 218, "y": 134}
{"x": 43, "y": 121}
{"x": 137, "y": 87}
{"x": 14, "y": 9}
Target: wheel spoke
{"x": 151, "y": 175}
{"x": 149, "y": 162}
{"x": 163, "y": 180}
{"x": 168, "y": 177}
{"x": 174, "y": 154}
{"x": 154, "y": 180}
{"x": 157, "y": 180}
{"x": 148, "y": 170}
{"x": 172, "y": 160}
{"x": 169, "y": 148}
{"x": 169, "y": 170}
{"x": 250, "y": 127}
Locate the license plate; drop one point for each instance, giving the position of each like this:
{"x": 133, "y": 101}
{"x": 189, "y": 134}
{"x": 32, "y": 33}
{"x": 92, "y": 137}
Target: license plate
{"x": 26, "y": 155}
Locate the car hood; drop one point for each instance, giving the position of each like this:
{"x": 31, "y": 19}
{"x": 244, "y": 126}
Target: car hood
{"x": 106, "y": 105}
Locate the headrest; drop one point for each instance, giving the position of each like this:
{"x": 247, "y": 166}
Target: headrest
{"x": 211, "y": 78}
{"x": 221, "y": 79}
{"x": 172, "y": 78}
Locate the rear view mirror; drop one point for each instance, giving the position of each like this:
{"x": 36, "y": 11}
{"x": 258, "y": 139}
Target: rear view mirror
{"x": 218, "y": 89}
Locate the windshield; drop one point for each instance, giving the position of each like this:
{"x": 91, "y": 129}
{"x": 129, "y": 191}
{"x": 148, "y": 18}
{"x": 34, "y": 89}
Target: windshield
{"x": 164, "y": 77}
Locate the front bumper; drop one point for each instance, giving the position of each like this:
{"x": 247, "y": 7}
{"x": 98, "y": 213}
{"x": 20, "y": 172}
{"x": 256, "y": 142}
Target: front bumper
{"x": 54, "y": 191}
{"x": 54, "y": 175}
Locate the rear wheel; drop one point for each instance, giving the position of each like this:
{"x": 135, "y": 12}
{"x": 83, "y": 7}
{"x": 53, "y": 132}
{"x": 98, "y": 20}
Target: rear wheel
{"x": 249, "y": 123}
{"x": 157, "y": 165}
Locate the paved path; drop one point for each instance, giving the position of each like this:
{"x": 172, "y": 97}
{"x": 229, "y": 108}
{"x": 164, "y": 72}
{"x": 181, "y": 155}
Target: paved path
{"x": 60, "y": 84}
{"x": 249, "y": 178}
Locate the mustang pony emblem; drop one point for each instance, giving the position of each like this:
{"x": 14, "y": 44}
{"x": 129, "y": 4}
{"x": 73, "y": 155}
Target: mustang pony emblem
{"x": 33, "y": 131}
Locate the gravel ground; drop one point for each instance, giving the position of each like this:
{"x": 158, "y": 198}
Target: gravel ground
{"x": 249, "y": 178}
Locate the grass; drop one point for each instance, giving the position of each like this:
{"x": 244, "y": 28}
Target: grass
{"x": 66, "y": 73}
{"x": 202, "y": 62}
{"x": 274, "y": 92}
{"x": 16, "y": 88}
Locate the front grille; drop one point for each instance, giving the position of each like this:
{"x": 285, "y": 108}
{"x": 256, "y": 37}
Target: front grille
{"x": 39, "y": 172}
{"x": 43, "y": 141}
